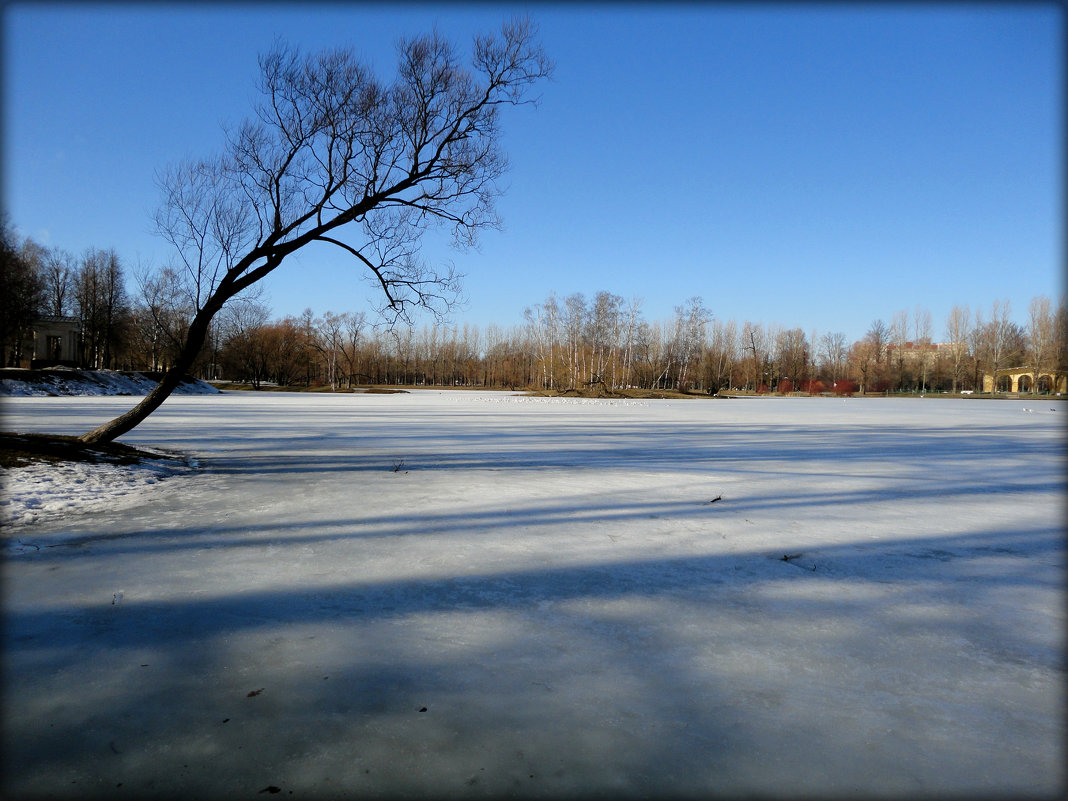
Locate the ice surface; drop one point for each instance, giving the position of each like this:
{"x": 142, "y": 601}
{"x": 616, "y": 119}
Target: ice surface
{"x": 874, "y": 605}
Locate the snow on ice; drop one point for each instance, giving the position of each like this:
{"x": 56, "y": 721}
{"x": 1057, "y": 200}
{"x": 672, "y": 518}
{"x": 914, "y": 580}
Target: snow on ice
{"x": 471, "y": 594}
{"x": 41, "y": 491}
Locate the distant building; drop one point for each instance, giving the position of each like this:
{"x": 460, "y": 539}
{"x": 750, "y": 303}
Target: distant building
{"x": 912, "y": 352}
{"x": 56, "y": 341}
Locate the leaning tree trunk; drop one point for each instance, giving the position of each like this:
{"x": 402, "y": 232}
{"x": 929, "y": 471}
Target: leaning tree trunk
{"x": 194, "y": 341}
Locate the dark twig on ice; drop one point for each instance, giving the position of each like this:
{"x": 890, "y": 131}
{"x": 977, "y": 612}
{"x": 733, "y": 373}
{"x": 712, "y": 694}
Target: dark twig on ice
{"x": 789, "y": 557}
{"x": 717, "y": 498}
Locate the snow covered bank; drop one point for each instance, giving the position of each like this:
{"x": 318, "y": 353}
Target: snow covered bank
{"x": 449, "y": 594}
{"x": 45, "y": 490}
{"x": 67, "y": 381}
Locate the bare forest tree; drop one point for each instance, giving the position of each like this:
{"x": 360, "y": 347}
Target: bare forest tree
{"x": 242, "y": 328}
{"x": 604, "y": 328}
{"x": 100, "y": 297}
{"x": 832, "y": 355}
{"x": 791, "y": 358}
{"x": 161, "y": 315}
{"x": 899, "y": 338}
{"x": 329, "y": 340}
{"x": 354, "y": 324}
{"x": 995, "y": 340}
{"x": 689, "y": 339}
{"x": 1060, "y": 325}
{"x": 573, "y": 322}
{"x": 717, "y": 357}
{"x": 59, "y": 274}
{"x": 868, "y": 356}
{"x": 543, "y": 327}
{"x": 334, "y": 156}
{"x": 958, "y": 339}
{"x": 878, "y": 336}
{"x": 21, "y": 295}
{"x": 752, "y": 340}
{"x": 1042, "y": 339}
{"x": 921, "y": 336}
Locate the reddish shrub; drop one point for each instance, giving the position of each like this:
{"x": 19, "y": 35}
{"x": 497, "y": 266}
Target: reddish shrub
{"x": 844, "y": 386}
{"x": 786, "y": 386}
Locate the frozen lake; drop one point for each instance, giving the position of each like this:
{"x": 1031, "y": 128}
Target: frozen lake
{"x": 473, "y": 594}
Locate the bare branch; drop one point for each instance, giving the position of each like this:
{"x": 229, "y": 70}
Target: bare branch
{"x": 331, "y": 154}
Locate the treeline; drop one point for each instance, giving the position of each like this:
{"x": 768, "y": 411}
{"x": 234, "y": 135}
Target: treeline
{"x": 563, "y": 343}
{"x": 578, "y": 342}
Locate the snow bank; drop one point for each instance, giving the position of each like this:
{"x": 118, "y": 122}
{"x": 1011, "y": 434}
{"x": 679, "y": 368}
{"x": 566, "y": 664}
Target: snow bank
{"x": 67, "y": 381}
{"x": 46, "y": 491}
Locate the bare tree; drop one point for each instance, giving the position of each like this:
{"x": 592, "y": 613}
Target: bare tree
{"x": 958, "y": 334}
{"x": 543, "y": 322}
{"x": 690, "y": 338}
{"x": 334, "y": 156}
{"x": 350, "y": 348}
{"x": 958, "y": 337}
{"x": 879, "y": 336}
{"x": 603, "y": 331}
{"x": 756, "y": 342}
{"x": 21, "y": 295}
{"x": 899, "y": 337}
{"x": 100, "y": 296}
{"x": 241, "y": 327}
{"x": 573, "y": 322}
{"x": 720, "y": 355}
{"x": 862, "y": 357}
{"x": 868, "y": 356}
{"x": 791, "y": 357}
{"x": 921, "y": 335}
{"x": 976, "y": 335}
{"x": 60, "y": 269}
{"x": 630, "y": 334}
{"x": 161, "y": 315}
{"x": 995, "y": 340}
{"x": 833, "y": 354}
{"x": 1042, "y": 336}
{"x": 328, "y": 340}
{"x": 1060, "y": 337}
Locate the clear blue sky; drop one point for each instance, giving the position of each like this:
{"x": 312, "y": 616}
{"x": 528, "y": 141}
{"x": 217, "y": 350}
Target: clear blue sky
{"x": 803, "y": 165}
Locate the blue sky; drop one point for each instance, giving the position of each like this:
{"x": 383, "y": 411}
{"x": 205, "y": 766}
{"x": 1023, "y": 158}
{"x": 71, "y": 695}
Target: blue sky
{"x": 802, "y": 165}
